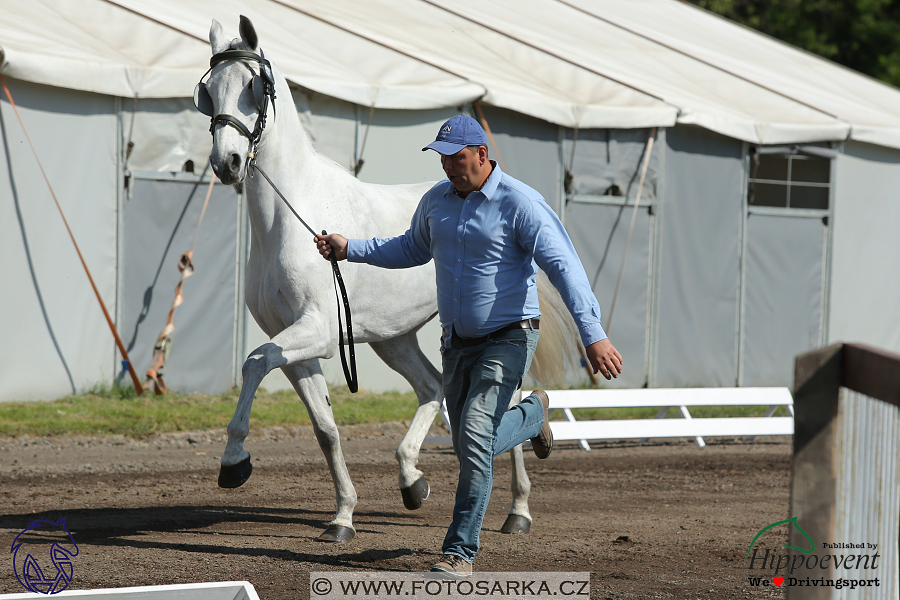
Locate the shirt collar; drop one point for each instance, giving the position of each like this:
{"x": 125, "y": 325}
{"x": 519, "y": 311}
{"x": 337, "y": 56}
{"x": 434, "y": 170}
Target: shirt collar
{"x": 493, "y": 181}
{"x": 490, "y": 185}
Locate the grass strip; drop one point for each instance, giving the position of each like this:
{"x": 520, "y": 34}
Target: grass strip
{"x": 119, "y": 411}
{"x": 113, "y": 410}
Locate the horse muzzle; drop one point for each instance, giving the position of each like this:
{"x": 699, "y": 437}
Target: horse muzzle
{"x": 229, "y": 168}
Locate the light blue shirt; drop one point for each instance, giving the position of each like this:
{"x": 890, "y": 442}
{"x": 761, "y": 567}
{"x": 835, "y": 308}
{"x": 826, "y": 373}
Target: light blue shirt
{"x": 487, "y": 248}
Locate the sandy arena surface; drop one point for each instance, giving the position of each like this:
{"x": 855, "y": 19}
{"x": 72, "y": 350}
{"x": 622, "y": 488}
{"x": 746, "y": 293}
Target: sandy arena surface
{"x": 656, "y": 520}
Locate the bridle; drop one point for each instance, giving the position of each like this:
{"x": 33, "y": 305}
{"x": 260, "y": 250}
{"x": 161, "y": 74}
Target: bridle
{"x": 263, "y": 86}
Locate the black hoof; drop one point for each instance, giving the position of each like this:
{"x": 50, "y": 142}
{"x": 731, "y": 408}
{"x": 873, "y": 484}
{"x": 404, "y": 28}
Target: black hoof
{"x": 516, "y": 524}
{"x": 415, "y": 495}
{"x": 337, "y": 534}
{"x": 232, "y": 476}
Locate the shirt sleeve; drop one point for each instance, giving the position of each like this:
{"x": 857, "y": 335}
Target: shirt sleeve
{"x": 411, "y": 249}
{"x": 541, "y": 231}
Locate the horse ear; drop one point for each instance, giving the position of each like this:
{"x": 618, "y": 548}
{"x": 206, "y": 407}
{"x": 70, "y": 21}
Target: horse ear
{"x": 248, "y": 34}
{"x": 217, "y": 38}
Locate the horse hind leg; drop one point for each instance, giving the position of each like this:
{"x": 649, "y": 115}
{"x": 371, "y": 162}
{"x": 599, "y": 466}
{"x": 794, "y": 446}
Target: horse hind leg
{"x": 519, "y": 518}
{"x": 404, "y": 356}
{"x": 308, "y": 381}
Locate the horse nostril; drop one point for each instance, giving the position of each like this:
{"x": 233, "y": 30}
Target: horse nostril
{"x": 234, "y": 165}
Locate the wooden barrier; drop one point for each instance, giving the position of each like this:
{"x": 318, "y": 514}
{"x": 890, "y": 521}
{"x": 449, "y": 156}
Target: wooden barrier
{"x": 845, "y": 488}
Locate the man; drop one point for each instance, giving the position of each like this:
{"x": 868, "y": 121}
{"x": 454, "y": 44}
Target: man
{"x": 487, "y": 234}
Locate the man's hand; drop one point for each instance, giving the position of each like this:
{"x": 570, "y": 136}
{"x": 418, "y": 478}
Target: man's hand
{"x": 605, "y": 358}
{"x": 326, "y": 244}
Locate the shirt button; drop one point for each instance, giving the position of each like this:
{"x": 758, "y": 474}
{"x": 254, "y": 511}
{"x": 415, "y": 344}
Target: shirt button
{"x": 454, "y": 299}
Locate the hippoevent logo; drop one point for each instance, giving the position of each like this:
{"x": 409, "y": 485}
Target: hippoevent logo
{"x": 810, "y": 567}
{"x": 42, "y": 556}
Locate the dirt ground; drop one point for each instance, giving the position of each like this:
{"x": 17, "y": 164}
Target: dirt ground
{"x": 656, "y": 520}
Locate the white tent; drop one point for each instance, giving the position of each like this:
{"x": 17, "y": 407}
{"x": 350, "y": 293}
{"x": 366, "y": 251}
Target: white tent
{"x": 575, "y": 63}
{"x": 722, "y": 286}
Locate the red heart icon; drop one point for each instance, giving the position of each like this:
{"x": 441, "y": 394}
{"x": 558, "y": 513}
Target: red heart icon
{"x": 778, "y": 580}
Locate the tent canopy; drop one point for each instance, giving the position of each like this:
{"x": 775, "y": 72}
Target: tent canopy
{"x": 95, "y": 46}
{"x": 574, "y": 63}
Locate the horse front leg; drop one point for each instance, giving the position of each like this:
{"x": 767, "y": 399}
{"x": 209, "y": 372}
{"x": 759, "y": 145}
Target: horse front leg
{"x": 285, "y": 348}
{"x": 235, "y": 468}
{"x": 310, "y": 385}
{"x": 519, "y": 519}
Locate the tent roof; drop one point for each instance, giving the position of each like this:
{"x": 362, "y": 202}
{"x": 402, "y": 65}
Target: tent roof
{"x": 576, "y": 63}
{"x": 869, "y": 106}
{"x": 516, "y": 76}
{"x": 319, "y": 56}
{"x": 96, "y": 46}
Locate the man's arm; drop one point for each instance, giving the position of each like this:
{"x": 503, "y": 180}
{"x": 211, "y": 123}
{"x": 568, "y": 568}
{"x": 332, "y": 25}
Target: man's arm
{"x": 541, "y": 229}
{"x": 408, "y": 250}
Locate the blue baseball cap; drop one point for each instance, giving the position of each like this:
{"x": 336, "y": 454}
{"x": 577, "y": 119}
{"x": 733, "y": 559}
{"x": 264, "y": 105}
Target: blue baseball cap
{"x": 457, "y": 133}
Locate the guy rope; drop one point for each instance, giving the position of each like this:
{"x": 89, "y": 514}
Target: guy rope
{"x": 164, "y": 341}
{"x": 112, "y": 327}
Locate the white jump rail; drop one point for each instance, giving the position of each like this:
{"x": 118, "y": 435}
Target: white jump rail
{"x": 667, "y": 399}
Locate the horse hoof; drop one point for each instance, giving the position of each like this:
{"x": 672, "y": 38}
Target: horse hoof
{"x": 516, "y": 524}
{"x": 232, "y": 476}
{"x": 337, "y": 534}
{"x": 415, "y": 495}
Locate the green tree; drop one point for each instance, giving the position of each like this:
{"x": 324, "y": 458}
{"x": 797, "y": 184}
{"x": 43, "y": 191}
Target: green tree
{"x": 863, "y": 35}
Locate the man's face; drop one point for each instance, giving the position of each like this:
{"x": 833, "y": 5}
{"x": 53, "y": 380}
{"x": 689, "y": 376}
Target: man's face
{"x": 466, "y": 169}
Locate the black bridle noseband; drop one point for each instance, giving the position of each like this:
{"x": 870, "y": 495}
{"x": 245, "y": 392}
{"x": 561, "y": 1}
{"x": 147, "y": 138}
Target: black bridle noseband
{"x": 263, "y": 86}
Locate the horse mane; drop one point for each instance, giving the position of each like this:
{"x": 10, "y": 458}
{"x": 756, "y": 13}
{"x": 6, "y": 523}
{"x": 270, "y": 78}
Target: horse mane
{"x": 559, "y": 348}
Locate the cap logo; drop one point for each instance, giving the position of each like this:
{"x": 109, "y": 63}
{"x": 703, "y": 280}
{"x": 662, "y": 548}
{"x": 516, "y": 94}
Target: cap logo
{"x": 445, "y": 131}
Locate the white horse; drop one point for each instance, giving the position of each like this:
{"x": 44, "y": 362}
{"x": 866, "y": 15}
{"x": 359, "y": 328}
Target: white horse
{"x": 289, "y": 288}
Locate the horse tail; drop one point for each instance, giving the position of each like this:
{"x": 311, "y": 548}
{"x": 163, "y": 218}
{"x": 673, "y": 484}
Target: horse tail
{"x": 559, "y": 350}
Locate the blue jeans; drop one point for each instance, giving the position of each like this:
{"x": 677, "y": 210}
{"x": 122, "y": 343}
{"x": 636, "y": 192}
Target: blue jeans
{"x": 479, "y": 382}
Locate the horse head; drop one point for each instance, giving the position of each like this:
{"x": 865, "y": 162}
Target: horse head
{"x": 236, "y": 96}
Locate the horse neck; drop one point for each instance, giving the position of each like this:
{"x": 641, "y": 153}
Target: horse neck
{"x": 286, "y": 154}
